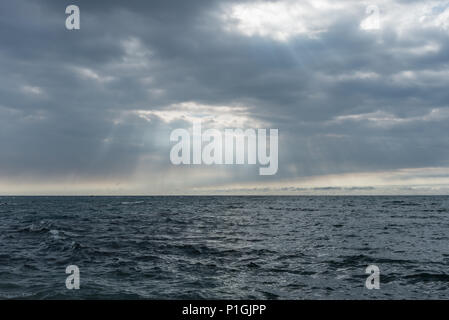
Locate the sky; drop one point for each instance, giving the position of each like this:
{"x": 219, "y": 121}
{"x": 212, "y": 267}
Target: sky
{"x": 357, "y": 89}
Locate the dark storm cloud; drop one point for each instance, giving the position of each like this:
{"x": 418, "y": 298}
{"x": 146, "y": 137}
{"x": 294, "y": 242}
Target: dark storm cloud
{"x": 347, "y": 100}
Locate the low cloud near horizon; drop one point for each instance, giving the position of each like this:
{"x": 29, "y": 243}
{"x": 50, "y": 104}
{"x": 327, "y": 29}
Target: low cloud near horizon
{"x": 359, "y": 110}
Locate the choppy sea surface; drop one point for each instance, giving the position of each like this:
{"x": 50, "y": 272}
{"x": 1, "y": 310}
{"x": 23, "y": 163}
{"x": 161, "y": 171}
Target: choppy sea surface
{"x": 224, "y": 247}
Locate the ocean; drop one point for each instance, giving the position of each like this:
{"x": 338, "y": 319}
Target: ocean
{"x": 225, "y": 247}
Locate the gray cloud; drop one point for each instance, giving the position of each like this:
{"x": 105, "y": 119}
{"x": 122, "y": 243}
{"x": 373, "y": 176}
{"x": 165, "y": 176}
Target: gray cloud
{"x": 345, "y": 100}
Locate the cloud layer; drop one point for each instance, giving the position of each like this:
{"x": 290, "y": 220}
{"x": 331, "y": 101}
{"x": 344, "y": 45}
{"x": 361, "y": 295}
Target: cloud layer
{"x": 91, "y": 110}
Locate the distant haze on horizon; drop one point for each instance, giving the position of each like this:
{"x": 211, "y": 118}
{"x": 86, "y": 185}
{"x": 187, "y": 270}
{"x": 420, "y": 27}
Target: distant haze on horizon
{"x": 359, "y": 110}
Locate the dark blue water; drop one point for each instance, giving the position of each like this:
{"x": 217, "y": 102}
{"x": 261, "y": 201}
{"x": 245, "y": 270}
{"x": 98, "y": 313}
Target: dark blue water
{"x": 224, "y": 247}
